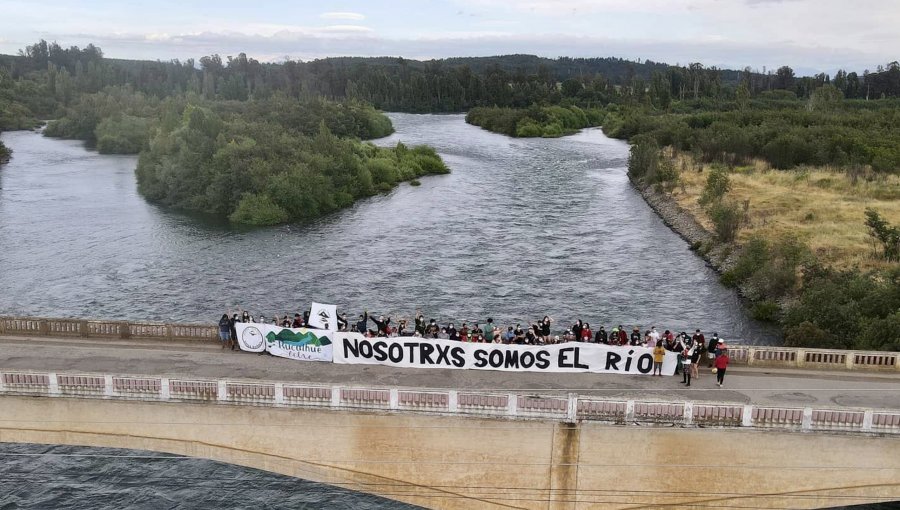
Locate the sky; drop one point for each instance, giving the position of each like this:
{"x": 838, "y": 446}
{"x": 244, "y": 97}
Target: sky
{"x": 809, "y": 35}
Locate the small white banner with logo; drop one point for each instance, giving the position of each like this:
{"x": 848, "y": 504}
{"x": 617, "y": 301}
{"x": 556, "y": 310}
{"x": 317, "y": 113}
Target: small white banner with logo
{"x": 301, "y": 344}
{"x": 323, "y": 317}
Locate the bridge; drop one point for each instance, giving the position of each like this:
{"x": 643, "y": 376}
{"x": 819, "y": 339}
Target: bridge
{"x": 793, "y": 428}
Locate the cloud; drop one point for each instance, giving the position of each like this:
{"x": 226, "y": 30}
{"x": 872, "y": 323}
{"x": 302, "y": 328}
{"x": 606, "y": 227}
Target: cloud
{"x": 351, "y": 40}
{"x": 352, "y": 16}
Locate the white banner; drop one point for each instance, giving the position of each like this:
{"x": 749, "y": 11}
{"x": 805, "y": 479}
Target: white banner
{"x": 323, "y": 316}
{"x": 303, "y": 344}
{"x": 410, "y": 352}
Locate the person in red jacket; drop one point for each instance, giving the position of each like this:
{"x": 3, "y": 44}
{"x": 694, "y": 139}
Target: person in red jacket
{"x": 623, "y": 336}
{"x": 721, "y": 363}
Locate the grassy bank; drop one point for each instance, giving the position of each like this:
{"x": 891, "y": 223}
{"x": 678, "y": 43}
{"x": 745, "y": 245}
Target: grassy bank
{"x": 813, "y": 249}
{"x": 823, "y": 207}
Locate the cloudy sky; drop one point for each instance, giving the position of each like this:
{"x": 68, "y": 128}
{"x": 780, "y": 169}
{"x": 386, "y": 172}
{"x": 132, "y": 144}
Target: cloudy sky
{"x": 809, "y": 35}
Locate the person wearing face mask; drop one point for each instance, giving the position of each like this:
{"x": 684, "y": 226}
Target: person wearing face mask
{"x": 452, "y": 334}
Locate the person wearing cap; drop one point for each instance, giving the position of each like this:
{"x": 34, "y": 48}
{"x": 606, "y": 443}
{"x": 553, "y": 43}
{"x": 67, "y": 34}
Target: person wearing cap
{"x": 721, "y": 362}
{"x": 636, "y": 336}
{"x": 720, "y": 346}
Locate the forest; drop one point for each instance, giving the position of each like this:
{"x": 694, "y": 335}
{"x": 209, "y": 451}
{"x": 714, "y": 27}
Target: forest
{"x": 258, "y": 160}
{"x": 535, "y": 121}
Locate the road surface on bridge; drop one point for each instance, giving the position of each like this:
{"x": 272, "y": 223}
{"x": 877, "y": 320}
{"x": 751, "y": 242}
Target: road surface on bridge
{"x": 743, "y": 384}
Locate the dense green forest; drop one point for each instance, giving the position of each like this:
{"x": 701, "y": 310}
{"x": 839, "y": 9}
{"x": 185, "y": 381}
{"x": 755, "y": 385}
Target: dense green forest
{"x": 787, "y": 132}
{"x": 543, "y": 121}
{"x": 262, "y": 159}
{"x": 262, "y": 173}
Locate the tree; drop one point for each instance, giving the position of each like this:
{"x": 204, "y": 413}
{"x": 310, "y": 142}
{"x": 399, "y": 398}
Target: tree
{"x": 887, "y": 235}
{"x": 742, "y": 97}
{"x": 784, "y": 78}
{"x": 824, "y": 98}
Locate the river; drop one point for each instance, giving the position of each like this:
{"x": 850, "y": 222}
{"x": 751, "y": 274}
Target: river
{"x": 520, "y": 229}
{"x": 42, "y": 477}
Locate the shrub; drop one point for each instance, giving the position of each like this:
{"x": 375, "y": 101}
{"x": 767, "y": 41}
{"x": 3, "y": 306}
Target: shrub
{"x": 887, "y": 235}
{"x": 717, "y": 184}
{"x": 643, "y": 157}
{"x": 258, "y": 209}
{"x": 765, "y": 310}
{"x": 807, "y": 334}
{"x": 727, "y": 217}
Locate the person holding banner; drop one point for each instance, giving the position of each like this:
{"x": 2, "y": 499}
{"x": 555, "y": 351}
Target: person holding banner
{"x": 686, "y": 360}
{"x": 224, "y": 329}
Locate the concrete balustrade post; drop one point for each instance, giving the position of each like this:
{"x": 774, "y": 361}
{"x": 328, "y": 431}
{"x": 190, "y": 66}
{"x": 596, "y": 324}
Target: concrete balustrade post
{"x": 107, "y": 386}
{"x": 867, "y": 420}
{"x": 806, "y": 422}
{"x": 53, "y": 383}
{"x": 170, "y": 332}
{"x": 2, "y": 383}
{"x": 751, "y": 354}
{"x": 851, "y": 360}
{"x": 453, "y": 401}
{"x": 84, "y": 329}
{"x": 124, "y": 330}
{"x": 44, "y": 326}
{"x": 279, "y": 394}
{"x": 394, "y": 398}
{"x": 222, "y": 390}
{"x": 335, "y": 396}
{"x": 164, "y": 389}
{"x": 512, "y": 404}
{"x": 801, "y": 358}
{"x": 572, "y": 408}
{"x": 688, "y": 413}
{"x": 747, "y": 416}
{"x": 629, "y": 411}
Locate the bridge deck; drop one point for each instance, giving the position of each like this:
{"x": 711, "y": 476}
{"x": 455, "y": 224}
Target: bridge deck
{"x": 763, "y": 386}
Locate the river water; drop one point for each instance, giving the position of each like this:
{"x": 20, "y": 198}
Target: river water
{"x": 520, "y": 229}
{"x": 42, "y": 477}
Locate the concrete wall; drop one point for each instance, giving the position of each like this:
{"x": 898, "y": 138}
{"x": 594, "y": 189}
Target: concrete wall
{"x": 470, "y": 462}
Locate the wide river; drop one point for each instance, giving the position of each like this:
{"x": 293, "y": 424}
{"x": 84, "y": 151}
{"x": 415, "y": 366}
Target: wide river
{"x": 520, "y": 229}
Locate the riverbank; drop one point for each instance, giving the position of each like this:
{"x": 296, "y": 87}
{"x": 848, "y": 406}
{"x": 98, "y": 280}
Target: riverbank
{"x": 5, "y": 154}
{"x": 801, "y": 251}
{"x": 686, "y": 225}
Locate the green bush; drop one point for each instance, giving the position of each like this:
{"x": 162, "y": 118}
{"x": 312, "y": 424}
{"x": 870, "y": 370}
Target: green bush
{"x": 765, "y": 311}
{"x": 123, "y": 134}
{"x": 258, "y": 209}
{"x": 717, "y": 184}
{"x": 807, "y": 334}
{"x": 727, "y": 217}
{"x": 858, "y": 310}
{"x": 643, "y": 157}
{"x": 753, "y": 255}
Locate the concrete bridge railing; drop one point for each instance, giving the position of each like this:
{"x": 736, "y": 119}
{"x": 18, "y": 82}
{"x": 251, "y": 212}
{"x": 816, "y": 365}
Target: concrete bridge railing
{"x": 776, "y": 357}
{"x": 569, "y": 409}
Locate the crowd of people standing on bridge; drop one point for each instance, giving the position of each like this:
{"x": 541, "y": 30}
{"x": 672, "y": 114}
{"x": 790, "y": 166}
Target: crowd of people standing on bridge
{"x": 692, "y": 350}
